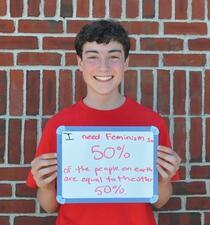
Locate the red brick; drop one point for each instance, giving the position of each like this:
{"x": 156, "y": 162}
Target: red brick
{"x": 179, "y": 97}
{"x": 165, "y": 9}
{"x": 198, "y": 9}
{"x": 132, "y": 8}
{"x": 130, "y": 84}
{"x": 18, "y": 42}
{"x": 207, "y": 92}
{"x": 80, "y": 86}
{"x": 2, "y": 140}
{"x": 147, "y": 91}
{"x": 207, "y": 139}
{"x": 66, "y": 8}
{"x": 184, "y": 59}
{"x": 49, "y": 92}
{"x": 5, "y": 190}
{"x": 71, "y": 59}
{"x": 39, "y": 58}
{"x": 207, "y": 218}
{"x": 179, "y": 137}
{"x": 44, "y": 122}
{"x": 16, "y": 8}
{"x": 30, "y": 139}
{"x": 195, "y": 203}
{"x": 115, "y": 8}
{"x": 191, "y": 188}
{"x": 200, "y": 172}
{"x": 99, "y": 8}
{"x": 74, "y": 26}
{"x": 40, "y": 26}
{"x": 186, "y": 218}
{"x": 133, "y": 27}
{"x": 148, "y": 8}
{"x": 50, "y": 8}
{"x": 82, "y": 8}
{"x": 172, "y": 204}
{"x": 3, "y": 92}
{"x": 208, "y": 8}
{"x": 22, "y": 190}
{"x": 163, "y": 92}
{"x": 32, "y": 92}
{"x": 4, "y": 220}
{"x": 7, "y": 26}
{"x": 6, "y": 59}
{"x": 199, "y": 44}
{"x": 33, "y": 7}
{"x": 65, "y": 89}
{"x": 143, "y": 60}
{"x": 17, "y": 206}
{"x": 182, "y": 173}
{"x": 14, "y": 145}
{"x": 3, "y": 7}
{"x": 16, "y": 92}
{"x": 13, "y": 173}
{"x": 137, "y": 27}
{"x": 195, "y": 93}
{"x": 66, "y": 43}
{"x": 195, "y": 28}
{"x": 181, "y": 9}
{"x": 133, "y": 44}
{"x": 32, "y": 220}
{"x": 161, "y": 44}
{"x": 196, "y": 140}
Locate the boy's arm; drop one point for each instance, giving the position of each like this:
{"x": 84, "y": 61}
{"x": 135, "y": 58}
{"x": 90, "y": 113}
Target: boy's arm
{"x": 47, "y": 199}
{"x": 168, "y": 164}
{"x": 44, "y": 170}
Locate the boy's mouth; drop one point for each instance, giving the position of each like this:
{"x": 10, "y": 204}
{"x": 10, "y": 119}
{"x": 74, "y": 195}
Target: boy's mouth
{"x": 103, "y": 78}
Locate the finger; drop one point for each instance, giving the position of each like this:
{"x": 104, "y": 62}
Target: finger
{"x": 46, "y": 171}
{"x": 164, "y": 175}
{"x": 39, "y": 163}
{"x": 47, "y": 180}
{"x": 49, "y": 156}
{"x": 168, "y": 157}
{"x": 169, "y": 168}
{"x": 165, "y": 149}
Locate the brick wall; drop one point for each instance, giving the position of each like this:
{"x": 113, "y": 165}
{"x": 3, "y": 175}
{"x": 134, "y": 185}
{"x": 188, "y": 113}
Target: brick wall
{"x": 169, "y": 72}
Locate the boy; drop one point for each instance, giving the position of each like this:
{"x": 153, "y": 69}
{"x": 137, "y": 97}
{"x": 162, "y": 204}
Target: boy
{"x": 102, "y": 54}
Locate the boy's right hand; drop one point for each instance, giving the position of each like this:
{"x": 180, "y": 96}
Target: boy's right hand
{"x": 44, "y": 170}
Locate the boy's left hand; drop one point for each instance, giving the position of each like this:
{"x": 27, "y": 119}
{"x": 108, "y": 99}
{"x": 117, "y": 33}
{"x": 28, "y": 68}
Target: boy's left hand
{"x": 168, "y": 163}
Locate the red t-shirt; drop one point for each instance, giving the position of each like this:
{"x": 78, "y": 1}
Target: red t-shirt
{"x": 129, "y": 114}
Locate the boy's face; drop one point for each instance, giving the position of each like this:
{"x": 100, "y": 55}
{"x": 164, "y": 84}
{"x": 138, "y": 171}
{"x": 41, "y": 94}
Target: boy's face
{"x": 103, "y": 67}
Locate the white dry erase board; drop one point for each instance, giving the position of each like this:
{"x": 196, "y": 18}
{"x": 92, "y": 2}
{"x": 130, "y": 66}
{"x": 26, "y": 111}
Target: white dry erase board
{"x": 107, "y": 164}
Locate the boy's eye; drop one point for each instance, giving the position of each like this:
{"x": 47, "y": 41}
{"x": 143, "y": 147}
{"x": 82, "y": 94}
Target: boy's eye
{"x": 92, "y": 57}
{"x": 115, "y": 57}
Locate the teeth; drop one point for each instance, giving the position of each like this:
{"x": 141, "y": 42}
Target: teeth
{"x": 103, "y": 78}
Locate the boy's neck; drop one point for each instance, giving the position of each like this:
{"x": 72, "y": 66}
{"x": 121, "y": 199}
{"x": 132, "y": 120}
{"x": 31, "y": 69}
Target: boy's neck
{"x": 104, "y": 102}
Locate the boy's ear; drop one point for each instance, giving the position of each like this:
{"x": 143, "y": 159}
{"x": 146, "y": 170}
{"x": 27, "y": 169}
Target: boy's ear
{"x": 126, "y": 63}
{"x": 79, "y": 62}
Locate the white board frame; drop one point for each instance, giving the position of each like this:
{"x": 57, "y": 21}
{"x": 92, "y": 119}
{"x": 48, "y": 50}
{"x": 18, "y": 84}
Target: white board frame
{"x": 63, "y": 197}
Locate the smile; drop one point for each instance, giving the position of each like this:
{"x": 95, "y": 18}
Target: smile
{"x": 103, "y": 78}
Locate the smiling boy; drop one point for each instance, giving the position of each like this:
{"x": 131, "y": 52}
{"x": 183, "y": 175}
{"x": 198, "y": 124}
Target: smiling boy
{"x": 102, "y": 53}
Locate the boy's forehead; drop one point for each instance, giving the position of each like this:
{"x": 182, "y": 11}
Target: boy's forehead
{"x": 102, "y": 46}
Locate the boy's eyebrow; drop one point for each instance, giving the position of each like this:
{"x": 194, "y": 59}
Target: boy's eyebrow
{"x": 91, "y": 51}
{"x": 115, "y": 50}
{"x": 110, "y": 51}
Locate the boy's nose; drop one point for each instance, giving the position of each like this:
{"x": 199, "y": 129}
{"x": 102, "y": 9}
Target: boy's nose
{"x": 104, "y": 65}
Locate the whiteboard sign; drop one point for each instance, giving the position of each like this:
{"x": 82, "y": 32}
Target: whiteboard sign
{"x": 107, "y": 164}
